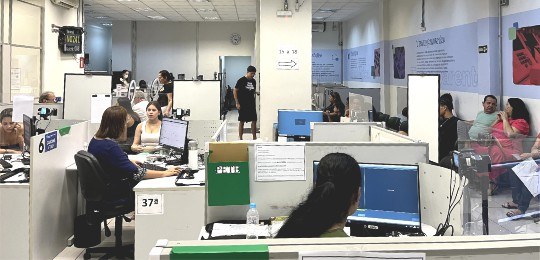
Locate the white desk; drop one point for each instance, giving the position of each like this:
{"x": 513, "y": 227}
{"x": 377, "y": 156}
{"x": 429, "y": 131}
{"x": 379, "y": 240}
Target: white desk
{"x": 183, "y": 213}
{"x": 15, "y": 219}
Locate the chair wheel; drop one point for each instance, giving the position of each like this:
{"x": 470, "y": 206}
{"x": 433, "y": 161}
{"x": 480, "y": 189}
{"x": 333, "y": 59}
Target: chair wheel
{"x": 86, "y": 256}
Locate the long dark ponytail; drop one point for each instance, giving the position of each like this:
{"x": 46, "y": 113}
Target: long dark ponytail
{"x": 328, "y": 203}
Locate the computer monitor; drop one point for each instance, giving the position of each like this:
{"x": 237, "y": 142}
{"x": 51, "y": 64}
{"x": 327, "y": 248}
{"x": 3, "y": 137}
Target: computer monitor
{"x": 29, "y": 129}
{"x": 296, "y": 123}
{"x": 389, "y": 202}
{"x": 173, "y": 134}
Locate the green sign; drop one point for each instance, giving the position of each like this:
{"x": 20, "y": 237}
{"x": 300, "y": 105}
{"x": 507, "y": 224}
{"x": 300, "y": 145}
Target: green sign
{"x": 228, "y": 183}
{"x": 255, "y": 252}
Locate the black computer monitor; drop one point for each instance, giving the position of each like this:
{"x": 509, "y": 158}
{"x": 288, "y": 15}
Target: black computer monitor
{"x": 29, "y": 130}
{"x": 173, "y": 134}
{"x": 389, "y": 202}
{"x": 297, "y": 123}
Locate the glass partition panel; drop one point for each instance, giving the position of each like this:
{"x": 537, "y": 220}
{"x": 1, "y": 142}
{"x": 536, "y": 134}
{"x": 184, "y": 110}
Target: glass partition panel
{"x": 502, "y": 194}
{"x": 25, "y": 71}
{"x": 359, "y": 106}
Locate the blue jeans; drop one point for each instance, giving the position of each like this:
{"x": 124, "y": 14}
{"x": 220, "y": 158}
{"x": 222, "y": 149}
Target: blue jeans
{"x": 521, "y": 196}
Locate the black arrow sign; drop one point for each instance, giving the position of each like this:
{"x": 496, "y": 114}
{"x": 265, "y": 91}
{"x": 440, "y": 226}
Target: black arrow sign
{"x": 287, "y": 64}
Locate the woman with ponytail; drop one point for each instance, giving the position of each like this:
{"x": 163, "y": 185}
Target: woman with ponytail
{"x": 334, "y": 197}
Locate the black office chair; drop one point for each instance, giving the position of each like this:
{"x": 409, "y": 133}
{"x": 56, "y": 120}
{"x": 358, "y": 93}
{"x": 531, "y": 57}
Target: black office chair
{"x": 104, "y": 201}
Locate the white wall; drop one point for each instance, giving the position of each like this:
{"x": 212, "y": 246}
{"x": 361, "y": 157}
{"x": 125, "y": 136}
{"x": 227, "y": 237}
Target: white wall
{"x": 173, "y": 46}
{"x": 98, "y": 45}
{"x": 121, "y": 49}
{"x": 214, "y": 41}
{"x": 55, "y": 64}
{"x": 329, "y": 39}
{"x": 286, "y": 89}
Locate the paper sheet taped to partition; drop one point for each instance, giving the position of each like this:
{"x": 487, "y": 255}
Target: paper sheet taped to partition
{"x": 280, "y": 162}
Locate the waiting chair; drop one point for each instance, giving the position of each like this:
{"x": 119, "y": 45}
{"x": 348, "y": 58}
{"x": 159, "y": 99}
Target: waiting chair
{"x": 104, "y": 201}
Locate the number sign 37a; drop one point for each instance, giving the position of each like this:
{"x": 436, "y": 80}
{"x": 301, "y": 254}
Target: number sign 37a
{"x": 149, "y": 204}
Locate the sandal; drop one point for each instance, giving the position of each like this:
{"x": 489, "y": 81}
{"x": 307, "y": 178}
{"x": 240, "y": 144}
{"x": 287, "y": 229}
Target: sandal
{"x": 513, "y": 213}
{"x": 507, "y": 205}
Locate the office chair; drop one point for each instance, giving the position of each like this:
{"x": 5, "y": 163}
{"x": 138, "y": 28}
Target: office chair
{"x": 384, "y": 118}
{"x": 104, "y": 201}
{"x": 393, "y": 123}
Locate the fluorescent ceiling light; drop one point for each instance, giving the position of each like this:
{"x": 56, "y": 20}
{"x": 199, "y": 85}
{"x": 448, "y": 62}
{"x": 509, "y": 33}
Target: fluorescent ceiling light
{"x": 107, "y": 24}
{"x": 102, "y": 17}
{"x": 200, "y": 1}
{"x": 143, "y": 9}
{"x": 211, "y": 18}
{"x": 318, "y": 18}
{"x": 204, "y": 10}
{"x": 326, "y": 11}
{"x": 157, "y": 17}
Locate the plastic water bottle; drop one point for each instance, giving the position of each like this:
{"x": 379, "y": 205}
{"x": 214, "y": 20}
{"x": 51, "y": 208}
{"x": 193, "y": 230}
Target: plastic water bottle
{"x": 252, "y": 220}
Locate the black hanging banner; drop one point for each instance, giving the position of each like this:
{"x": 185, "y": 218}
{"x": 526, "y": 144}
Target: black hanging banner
{"x": 70, "y": 39}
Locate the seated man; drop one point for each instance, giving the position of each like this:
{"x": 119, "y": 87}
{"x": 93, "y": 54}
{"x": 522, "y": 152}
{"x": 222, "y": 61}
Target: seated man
{"x": 484, "y": 119}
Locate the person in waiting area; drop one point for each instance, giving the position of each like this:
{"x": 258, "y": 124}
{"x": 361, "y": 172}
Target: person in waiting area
{"x": 110, "y": 156}
{"x": 244, "y": 95}
{"x": 147, "y": 132}
{"x": 333, "y": 198}
{"x": 484, "y": 119}
{"x": 165, "y": 93}
{"x": 508, "y": 131}
{"x": 521, "y": 196}
{"x": 47, "y": 97}
{"x": 447, "y": 130}
{"x": 139, "y": 105}
{"x": 335, "y": 110}
{"x": 11, "y": 135}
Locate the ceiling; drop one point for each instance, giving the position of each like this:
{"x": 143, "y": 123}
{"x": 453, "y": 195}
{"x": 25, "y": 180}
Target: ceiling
{"x": 105, "y": 11}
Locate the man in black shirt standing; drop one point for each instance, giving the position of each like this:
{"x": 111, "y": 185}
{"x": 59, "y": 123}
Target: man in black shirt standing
{"x": 244, "y": 95}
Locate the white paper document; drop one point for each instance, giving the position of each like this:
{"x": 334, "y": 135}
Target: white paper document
{"x": 279, "y": 162}
{"x": 356, "y": 255}
{"x": 22, "y": 104}
{"x": 98, "y": 104}
{"x": 527, "y": 171}
{"x": 220, "y": 229}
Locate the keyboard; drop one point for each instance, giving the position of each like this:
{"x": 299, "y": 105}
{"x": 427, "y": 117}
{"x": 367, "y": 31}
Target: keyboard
{"x": 5, "y": 164}
{"x": 150, "y": 166}
{"x": 9, "y": 174}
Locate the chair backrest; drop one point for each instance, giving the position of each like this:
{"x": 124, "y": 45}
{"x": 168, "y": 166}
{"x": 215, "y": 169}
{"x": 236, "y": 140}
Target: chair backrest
{"x": 91, "y": 176}
{"x": 393, "y": 123}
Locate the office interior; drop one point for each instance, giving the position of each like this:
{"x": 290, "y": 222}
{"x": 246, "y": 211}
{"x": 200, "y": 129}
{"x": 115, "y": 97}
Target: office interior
{"x": 368, "y": 47}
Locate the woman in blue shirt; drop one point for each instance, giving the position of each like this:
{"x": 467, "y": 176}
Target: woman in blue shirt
{"x": 113, "y": 160}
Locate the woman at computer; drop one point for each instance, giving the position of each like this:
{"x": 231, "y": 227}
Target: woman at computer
{"x": 333, "y": 198}
{"x": 147, "y": 133}
{"x": 11, "y": 133}
{"x": 112, "y": 159}
{"x": 165, "y": 93}
{"x": 335, "y": 110}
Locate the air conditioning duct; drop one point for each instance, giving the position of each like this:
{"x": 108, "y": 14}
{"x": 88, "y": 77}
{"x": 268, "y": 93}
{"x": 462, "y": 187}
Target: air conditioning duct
{"x": 318, "y": 26}
{"x": 66, "y": 3}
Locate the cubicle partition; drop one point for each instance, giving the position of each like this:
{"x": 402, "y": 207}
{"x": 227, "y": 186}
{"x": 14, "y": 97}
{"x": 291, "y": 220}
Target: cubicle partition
{"x": 203, "y": 98}
{"x": 78, "y": 91}
{"x": 382, "y": 135}
{"x": 522, "y": 246}
{"x": 53, "y": 195}
{"x": 221, "y": 133}
{"x": 202, "y": 131}
{"x": 58, "y": 106}
{"x": 278, "y": 198}
{"x": 342, "y": 132}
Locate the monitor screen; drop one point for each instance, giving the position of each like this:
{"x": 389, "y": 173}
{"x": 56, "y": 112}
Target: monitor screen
{"x": 297, "y": 122}
{"x": 29, "y": 129}
{"x": 390, "y": 195}
{"x": 173, "y": 133}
